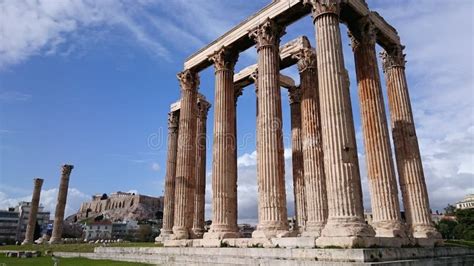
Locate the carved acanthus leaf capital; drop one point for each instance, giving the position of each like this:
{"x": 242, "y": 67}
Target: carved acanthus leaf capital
{"x": 203, "y": 108}
{"x": 393, "y": 57}
{"x": 267, "y": 34}
{"x": 173, "y": 120}
{"x": 294, "y": 95}
{"x": 321, "y": 7}
{"x": 188, "y": 80}
{"x": 66, "y": 169}
{"x": 363, "y": 32}
{"x": 224, "y": 59}
{"x": 306, "y": 59}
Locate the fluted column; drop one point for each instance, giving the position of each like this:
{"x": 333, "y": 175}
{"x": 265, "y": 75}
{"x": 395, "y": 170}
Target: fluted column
{"x": 272, "y": 211}
{"x": 186, "y": 157}
{"x": 169, "y": 200}
{"x": 237, "y": 93}
{"x": 294, "y": 95}
{"x": 345, "y": 225}
{"x": 200, "y": 193}
{"x": 407, "y": 151}
{"x": 224, "y": 175}
{"x": 378, "y": 153}
{"x": 61, "y": 204}
{"x": 314, "y": 178}
{"x": 30, "y": 228}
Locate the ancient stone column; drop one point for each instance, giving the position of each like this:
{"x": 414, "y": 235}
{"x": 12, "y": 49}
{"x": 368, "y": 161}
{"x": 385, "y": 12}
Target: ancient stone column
{"x": 169, "y": 200}
{"x": 186, "y": 157}
{"x": 345, "y": 225}
{"x": 224, "y": 175}
{"x": 237, "y": 93}
{"x": 61, "y": 204}
{"x": 407, "y": 151}
{"x": 378, "y": 153}
{"x": 200, "y": 192}
{"x": 272, "y": 212}
{"x": 30, "y": 227}
{"x": 314, "y": 178}
{"x": 294, "y": 95}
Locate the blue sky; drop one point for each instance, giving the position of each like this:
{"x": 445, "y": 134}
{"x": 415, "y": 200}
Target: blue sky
{"x": 90, "y": 83}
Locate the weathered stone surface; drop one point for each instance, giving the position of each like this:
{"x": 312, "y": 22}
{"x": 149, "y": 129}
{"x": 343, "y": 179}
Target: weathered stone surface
{"x": 407, "y": 151}
{"x": 345, "y": 225}
{"x": 200, "y": 192}
{"x": 272, "y": 214}
{"x": 378, "y": 153}
{"x": 30, "y": 227}
{"x": 168, "y": 208}
{"x": 314, "y": 177}
{"x": 294, "y": 94}
{"x": 186, "y": 157}
{"x": 61, "y": 204}
{"x": 224, "y": 175}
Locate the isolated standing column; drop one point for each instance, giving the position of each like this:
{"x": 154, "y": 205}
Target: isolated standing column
{"x": 378, "y": 153}
{"x": 61, "y": 204}
{"x": 224, "y": 175}
{"x": 30, "y": 228}
{"x": 407, "y": 151}
{"x": 294, "y": 95}
{"x": 186, "y": 157}
{"x": 168, "y": 210}
{"x": 345, "y": 225}
{"x": 313, "y": 158}
{"x": 200, "y": 192}
{"x": 272, "y": 211}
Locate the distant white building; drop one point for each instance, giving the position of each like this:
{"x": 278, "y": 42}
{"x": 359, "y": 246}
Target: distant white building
{"x": 466, "y": 203}
{"x": 98, "y": 230}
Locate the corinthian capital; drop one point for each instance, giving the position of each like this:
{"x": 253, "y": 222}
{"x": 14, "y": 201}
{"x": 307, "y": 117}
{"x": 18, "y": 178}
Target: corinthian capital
{"x": 224, "y": 58}
{"x": 362, "y": 32}
{"x": 306, "y": 59}
{"x": 66, "y": 169}
{"x": 294, "y": 95}
{"x": 188, "y": 80}
{"x": 267, "y": 34}
{"x": 203, "y": 108}
{"x": 173, "y": 120}
{"x": 393, "y": 57}
{"x": 321, "y": 7}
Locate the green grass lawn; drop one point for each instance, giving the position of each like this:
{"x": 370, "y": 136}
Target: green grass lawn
{"x": 460, "y": 243}
{"x": 85, "y": 247}
{"x": 48, "y": 261}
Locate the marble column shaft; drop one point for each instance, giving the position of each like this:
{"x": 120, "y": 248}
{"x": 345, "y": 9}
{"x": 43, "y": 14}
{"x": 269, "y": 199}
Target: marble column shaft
{"x": 345, "y": 225}
{"x": 407, "y": 151}
{"x": 224, "y": 175}
{"x": 200, "y": 192}
{"x": 294, "y": 94}
{"x": 314, "y": 177}
{"x": 35, "y": 199}
{"x": 272, "y": 212}
{"x": 186, "y": 157}
{"x": 378, "y": 153}
{"x": 61, "y": 204}
{"x": 168, "y": 210}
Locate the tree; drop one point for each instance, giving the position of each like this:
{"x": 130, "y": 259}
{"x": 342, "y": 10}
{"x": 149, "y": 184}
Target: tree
{"x": 449, "y": 210}
{"x": 446, "y": 228}
{"x": 465, "y": 228}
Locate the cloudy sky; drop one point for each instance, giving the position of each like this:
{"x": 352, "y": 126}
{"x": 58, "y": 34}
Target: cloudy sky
{"x": 90, "y": 82}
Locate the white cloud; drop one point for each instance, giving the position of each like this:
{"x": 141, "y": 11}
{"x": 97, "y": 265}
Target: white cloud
{"x": 48, "y": 199}
{"x": 155, "y": 167}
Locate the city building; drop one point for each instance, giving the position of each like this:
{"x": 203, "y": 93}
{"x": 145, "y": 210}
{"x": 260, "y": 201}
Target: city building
{"x": 466, "y": 203}
{"x": 8, "y": 225}
{"x": 98, "y": 230}
{"x": 13, "y": 221}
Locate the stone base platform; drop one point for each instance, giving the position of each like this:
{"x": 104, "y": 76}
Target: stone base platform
{"x": 283, "y": 256}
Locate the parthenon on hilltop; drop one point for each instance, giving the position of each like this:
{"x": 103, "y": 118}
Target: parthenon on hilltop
{"x": 326, "y": 174}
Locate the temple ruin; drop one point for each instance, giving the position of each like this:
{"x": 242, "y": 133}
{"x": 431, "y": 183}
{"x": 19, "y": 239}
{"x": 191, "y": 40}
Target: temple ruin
{"x": 326, "y": 174}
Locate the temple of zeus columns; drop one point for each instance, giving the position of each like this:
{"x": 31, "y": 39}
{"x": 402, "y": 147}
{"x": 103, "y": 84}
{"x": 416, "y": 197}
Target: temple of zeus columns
{"x": 326, "y": 175}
